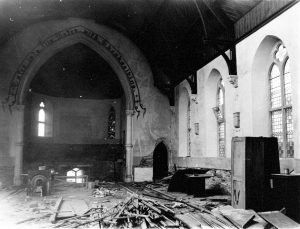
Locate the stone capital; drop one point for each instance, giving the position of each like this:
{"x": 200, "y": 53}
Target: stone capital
{"x": 128, "y": 146}
{"x": 172, "y": 109}
{"x": 130, "y": 112}
{"x": 233, "y": 79}
{"x": 194, "y": 98}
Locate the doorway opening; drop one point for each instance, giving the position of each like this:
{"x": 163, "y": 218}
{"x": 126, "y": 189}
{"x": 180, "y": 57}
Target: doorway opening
{"x": 160, "y": 161}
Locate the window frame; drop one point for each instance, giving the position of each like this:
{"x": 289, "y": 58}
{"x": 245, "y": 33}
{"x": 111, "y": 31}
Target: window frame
{"x": 220, "y": 121}
{"x": 281, "y": 65}
{"x": 42, "y": 107}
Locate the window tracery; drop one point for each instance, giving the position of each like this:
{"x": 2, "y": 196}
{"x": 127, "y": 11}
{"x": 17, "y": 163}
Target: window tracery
{"x": 281, "y": 101}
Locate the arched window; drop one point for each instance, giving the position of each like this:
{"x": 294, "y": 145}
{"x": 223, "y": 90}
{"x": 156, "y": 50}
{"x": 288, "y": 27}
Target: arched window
{"x": 281, "y": 101}
{"x": 41, "y": 120}
{"x": 220, "y": 118}
{"x": 111, "y": 123}
{"x": 75, "y": 175}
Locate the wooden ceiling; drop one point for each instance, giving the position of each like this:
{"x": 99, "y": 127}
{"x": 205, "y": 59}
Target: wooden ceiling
{"x": 172, "y": 34}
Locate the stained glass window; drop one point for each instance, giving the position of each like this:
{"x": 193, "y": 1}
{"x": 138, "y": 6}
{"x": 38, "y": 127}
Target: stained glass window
{"x": 112, "y": 123}
{"x": 281, "y": 102}
{"x": 220, "y": 119}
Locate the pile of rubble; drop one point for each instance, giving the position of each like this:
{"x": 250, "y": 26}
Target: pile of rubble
{"x": 136, "y": 205}
{"x": 148, "y": 207}
{"x": 102, "y": 192}
{"x": 220, "y": 182}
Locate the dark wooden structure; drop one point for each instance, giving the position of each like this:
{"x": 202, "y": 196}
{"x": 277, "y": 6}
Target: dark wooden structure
{"x": 287, "y": 194}
{"x": 254, "y": 159}
{"x": 196, "y": 184}
{"x": 180, "y": 181}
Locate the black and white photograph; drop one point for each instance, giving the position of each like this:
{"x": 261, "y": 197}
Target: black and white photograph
{"x": 150, "y": 114}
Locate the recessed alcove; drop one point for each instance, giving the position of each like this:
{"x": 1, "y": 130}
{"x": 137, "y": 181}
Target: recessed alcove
{"x": 74, "y": 115}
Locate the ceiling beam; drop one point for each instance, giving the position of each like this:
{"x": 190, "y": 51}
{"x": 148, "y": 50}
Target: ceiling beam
{"x": 219, "y": 15}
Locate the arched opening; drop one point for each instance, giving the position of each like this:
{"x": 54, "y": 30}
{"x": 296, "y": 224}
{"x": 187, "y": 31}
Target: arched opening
{"x": 88, "y": 111}
{"x": 184, "y": 123}
{"x": 74, "y": 175}
{"x": 108, "y": 44}
{"x": 260, "y": 86}
{"x": 272, "y": 81}
{"x": 214, "y": 115}
{"x": 160, "y": 161}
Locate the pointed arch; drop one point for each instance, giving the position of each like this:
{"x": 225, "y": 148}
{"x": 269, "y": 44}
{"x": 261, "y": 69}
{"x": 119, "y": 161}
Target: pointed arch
{"x": 62, "y": 39}
{"x": 160, "y": 161}
{"x": 272, "y": 83}
{"x": 184, "y": 123}
{"x": 215, "y": 114}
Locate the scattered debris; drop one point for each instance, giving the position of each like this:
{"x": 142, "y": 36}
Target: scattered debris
{"x": 56, "y": 208}
{"x": 102, "y": 192}
{"x": 137, "y": 205}
{"x": 162, "y": 210}
{"x": 279, "y": 220}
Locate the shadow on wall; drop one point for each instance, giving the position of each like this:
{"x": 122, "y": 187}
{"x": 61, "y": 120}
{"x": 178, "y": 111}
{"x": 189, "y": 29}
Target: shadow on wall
{"x": 105, "y": 160}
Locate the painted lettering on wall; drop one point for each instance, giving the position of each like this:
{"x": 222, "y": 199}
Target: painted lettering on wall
{"x": 43, "y": 45}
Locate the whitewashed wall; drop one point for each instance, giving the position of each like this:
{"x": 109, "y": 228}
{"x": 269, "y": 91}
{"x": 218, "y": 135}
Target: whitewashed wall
{"x": 251, "y": 98}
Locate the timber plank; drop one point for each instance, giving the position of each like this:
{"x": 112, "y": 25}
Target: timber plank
{"x": 279, "y": 220}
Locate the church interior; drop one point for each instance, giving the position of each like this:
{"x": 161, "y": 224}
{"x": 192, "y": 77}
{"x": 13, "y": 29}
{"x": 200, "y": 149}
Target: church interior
{"x": 172, "y": 96}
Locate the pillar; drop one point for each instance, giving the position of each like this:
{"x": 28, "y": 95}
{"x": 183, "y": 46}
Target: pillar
{"x": 16, "y": 141}
{"x": 128, "y": 146}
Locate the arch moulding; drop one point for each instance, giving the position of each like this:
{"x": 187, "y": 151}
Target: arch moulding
{"x": 111, "y": 50}
{"x": 48, "y": 47}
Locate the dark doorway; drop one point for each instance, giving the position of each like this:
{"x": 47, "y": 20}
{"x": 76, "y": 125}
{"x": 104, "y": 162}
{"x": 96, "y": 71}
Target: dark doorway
{"x": 160, "y": 161}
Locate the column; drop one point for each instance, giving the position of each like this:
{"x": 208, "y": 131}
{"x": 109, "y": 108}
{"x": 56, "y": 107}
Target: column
{"x": 128, "y": 145}
{"x": 16, "y": 139}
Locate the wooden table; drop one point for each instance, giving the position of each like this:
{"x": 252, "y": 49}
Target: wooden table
{"x": 196, "y": 184}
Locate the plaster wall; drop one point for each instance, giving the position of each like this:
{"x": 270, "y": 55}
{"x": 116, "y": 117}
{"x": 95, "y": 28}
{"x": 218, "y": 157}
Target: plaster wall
{"x": 251, "y": 97}
{"x": 75, "y": 121}
{"x": 204, "y": 145}
{"x": 187, "y": 146}
{"x": 4, "y": 138}
{"x": 155, "y": 123}
{"x": 183, "y": 120}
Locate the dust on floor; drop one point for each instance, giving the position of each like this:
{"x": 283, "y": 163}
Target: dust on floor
{"x": 17, "y": 210}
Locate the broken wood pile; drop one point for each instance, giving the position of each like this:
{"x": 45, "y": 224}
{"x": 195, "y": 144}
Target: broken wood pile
{"x": 149, "y": 208}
